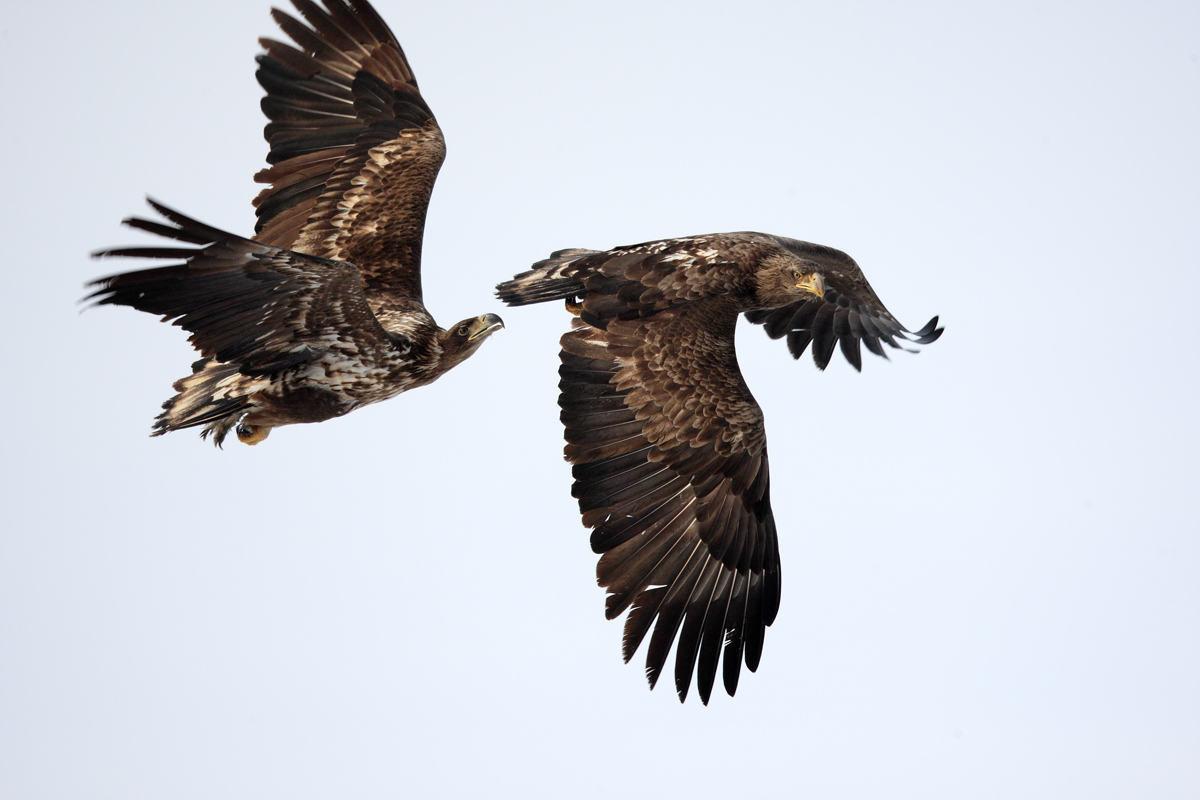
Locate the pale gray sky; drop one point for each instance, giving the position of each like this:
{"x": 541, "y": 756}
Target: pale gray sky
{"x": 990, "y": 550}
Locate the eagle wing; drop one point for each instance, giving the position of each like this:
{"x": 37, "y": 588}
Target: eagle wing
{"x": 670, "y": 469}
{"x": 355, "y": 150}
{"x": 849, "y": 313}
{"x": 247, "y": 303}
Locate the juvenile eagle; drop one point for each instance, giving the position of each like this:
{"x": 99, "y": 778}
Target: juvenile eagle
{"x": 321, "y": 312}
{"x": 668, "y": 444}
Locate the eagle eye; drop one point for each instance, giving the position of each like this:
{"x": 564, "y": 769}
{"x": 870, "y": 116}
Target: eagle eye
{"x": 463, "y": 330}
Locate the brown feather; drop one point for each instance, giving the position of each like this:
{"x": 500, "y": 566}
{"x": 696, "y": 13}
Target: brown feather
{"x": 667, "y": 442}
{"x": 349, "y": 123}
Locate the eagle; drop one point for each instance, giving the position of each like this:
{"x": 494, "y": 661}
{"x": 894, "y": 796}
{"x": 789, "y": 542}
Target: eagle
{"x": 321, "y": 312}
{"x": 667, "y": 443}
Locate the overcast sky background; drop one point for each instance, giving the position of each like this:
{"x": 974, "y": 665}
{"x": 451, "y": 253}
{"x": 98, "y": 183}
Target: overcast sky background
{"x": 990, "y": 550}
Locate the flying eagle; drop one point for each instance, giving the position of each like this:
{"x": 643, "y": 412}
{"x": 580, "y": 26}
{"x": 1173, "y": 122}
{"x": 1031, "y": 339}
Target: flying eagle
{"x": 668, "y": 445}
{"x": 321, "y": 312}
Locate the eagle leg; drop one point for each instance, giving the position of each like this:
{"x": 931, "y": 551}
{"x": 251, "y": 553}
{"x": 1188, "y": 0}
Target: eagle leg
{"x": 574, "y": 306}
{"x": 252, "y": 434}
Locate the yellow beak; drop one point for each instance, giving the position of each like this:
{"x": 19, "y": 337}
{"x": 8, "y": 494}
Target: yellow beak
{"x": 813, "y": 283}
{"x": 486, "y": 324}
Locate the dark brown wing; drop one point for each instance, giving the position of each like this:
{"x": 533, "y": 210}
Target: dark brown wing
{"x": 247, "y": 303}
{"x": 850, "y": 313}
{"x": 671, "y": 474}
{"x": 355, "y": 149}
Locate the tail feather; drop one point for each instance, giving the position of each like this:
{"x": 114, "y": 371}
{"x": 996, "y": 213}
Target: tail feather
{"x": 551, "y": 279}
{"x": 214, "y": 395}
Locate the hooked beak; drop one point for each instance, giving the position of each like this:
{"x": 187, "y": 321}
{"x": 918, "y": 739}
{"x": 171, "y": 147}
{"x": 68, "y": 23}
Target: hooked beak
{"x": 813, "y": 283}
{"x": 486, "y": 325}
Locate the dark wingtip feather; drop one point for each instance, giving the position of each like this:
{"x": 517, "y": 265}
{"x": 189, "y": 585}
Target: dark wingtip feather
{"x": 185, "y": 229}
{"x": 731, "y": 665}
{"x": 798, "y": 341}
{"x": 165, "y": 231}
{"x": 145, "y": 252}
{"x": 928, "y": 329}
{"x": 928, "y": 334}
{"x": 851, "y": 350}
{"x": 822, "y": 349}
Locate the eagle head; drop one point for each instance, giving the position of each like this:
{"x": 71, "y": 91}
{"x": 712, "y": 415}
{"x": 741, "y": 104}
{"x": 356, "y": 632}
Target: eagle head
{"x": 780, "y": 281}
{"x": 464, "y": 338}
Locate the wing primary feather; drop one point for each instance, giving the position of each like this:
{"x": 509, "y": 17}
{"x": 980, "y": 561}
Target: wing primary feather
{"x": 325, "y": 26}
{"x": 873, "y": 345}
{"x": 755, "y": 622}
{"x": 166, "y": 231}
{"x": 698, "y": 607}
{"x": 928, "y": 328}
{"x": 798, "y": 342}
{"x": 632, "y": 566}
{"x": 850, "y": 349}
{"x": 776, "y": 324}
{"x": 143, "y": 252}
{"x": 312, "y": 42}
{"x": 928, "y": 334}
{"x": 641, "y": 617}
{"x": 379, "y": 29}
{"x": 824, "y": 339}
{"x": 671, "y": 612}
{"x": 734, "y": 625}
{"x": 637, "y": 506}
{"x": 713, "y": 636}
{"x": 620, "y": 529}
{"x": 350, "y": 23}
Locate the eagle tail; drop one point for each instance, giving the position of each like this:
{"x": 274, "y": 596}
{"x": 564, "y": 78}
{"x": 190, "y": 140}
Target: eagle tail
{"x": 214, "y": 396}
{"x": 551, "y": 279}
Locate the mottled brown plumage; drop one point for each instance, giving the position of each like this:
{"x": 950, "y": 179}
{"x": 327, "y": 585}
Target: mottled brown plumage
{"x": 355, "y": 149}
{"x": 668, "y": 445}
{"x": 323, "y": 311}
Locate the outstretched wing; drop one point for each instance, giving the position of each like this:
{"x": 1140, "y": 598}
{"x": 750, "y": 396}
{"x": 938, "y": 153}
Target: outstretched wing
{"x": 671, "y": 474}
{"x": 246, "y": 303}
{"x": 355, "y": 149}
{"x": 850, "y": 313}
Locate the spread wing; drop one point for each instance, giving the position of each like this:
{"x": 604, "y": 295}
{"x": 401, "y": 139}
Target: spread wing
{"x": 850, "y": 313}
{"x": 670, "y": 468}
{"x": 247, "y": 303}
{"x": 355, "y": 149}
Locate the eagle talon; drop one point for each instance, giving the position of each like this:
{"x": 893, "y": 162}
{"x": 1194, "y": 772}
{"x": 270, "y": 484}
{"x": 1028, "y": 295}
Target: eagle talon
{"x": 252, "y": 434}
